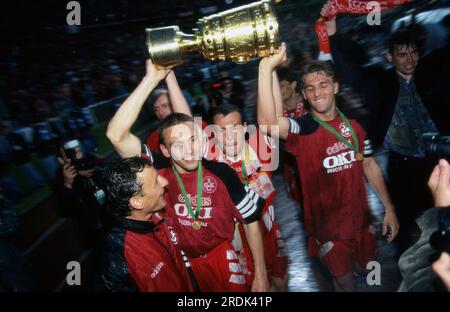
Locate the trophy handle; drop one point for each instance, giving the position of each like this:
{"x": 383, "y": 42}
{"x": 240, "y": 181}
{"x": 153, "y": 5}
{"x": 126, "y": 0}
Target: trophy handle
{"x": 166, "y": 45}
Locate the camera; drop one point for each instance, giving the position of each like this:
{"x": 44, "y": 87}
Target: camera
{"x": 440, "y": 240}
{"x": 73, "y": 150}
{"x": 437, "y": 146}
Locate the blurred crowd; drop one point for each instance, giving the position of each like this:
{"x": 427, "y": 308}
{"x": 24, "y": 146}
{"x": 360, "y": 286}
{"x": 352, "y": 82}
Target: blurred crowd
{"x": 46, "y": 90}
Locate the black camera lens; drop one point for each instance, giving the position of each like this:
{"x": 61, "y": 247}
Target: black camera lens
{"x": 84, "y": 164}
{"x": 440, "y": 240}
{"x": 436, "y": 146}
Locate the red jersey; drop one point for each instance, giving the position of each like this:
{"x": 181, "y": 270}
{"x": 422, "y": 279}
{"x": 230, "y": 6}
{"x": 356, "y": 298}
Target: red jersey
{"x": 144, "y": 256}
{"x": 153, "y": 141}
{"x": 297, "y": 112}
{"x": 257, "y": 152}
{"x": 224, "y": 198}
{"x": 263, "y": 151}
{"x": 333, "y": 182}
{"x": 290, "y": 166}
{"x": 258, "y": 179}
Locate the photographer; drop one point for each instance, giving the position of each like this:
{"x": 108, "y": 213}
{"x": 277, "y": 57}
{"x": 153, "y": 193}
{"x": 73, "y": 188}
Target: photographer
{"x": 80, "y": 195}
{"x": 415, "y": 263}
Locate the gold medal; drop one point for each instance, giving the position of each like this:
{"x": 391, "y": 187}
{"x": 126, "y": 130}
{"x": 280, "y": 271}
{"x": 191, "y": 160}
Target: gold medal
{"x": 355, "y": 146}
{"x": 359, "y": 157}
{"x": 196, "y": 225}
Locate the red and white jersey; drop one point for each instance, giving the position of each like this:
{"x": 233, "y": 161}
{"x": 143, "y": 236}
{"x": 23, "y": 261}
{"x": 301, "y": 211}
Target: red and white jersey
{"x": 265, "y": 148}
{"x": 298, "y": 111}
{"x": 258, "y": 180}
{"x": 333, "y": 181}
{"x": 256, "y": 153}
{"x": 153, "y": 141}
{"x": 224, "y": 199}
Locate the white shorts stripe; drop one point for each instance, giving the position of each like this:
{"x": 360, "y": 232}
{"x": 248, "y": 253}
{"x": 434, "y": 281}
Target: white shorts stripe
{"x": 237, "y": 279}
{"x": 234, "y": 267}
{"x": 231, "y": 255}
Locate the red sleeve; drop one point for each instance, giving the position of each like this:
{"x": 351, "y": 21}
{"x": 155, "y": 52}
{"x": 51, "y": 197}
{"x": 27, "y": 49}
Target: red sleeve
{"x": 212, "y": 149}
{"x": 292, "y": 145}
{"x": 153, "y": 141}
{"x": 234, "y": 210}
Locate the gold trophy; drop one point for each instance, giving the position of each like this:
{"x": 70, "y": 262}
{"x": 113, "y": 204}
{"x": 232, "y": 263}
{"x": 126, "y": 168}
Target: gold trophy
{"x": 237, "y": 35}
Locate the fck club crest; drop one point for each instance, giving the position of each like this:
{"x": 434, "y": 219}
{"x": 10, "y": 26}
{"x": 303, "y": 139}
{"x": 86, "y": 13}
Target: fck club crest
{"x": 209, "y": 184}
{"x": 345, "y": 131}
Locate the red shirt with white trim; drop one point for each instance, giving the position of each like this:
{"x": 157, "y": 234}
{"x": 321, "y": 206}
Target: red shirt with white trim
{"x": 258, "y": 179}
{"x": 224, "y": 198}
{"x": 296, "y": 112}
{"x": 333, "y": 181}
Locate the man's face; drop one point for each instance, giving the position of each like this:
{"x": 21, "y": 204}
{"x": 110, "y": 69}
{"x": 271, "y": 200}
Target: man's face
{"x": 287, "y": 89}
{"x": 151, "y": 198}
{"x": 162, "y": 107}
{"x": 320, "y": 89}
{"x": 182, "y": 144}
{"x": 230, "y": 133}
{"x": 227, "y": 85}
{"x": 404, "y": 58}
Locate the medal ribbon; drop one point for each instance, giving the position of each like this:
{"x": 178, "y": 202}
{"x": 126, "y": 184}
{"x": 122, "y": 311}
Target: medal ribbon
{"x": 199, "y": 191}
{"x": 354, "y": 147}
{"x": 243, "y": 169}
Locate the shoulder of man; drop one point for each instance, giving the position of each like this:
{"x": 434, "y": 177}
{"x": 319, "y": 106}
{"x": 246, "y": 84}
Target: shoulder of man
{"x": 159, "y": 161}
{"x": 220, "y": 169}
{"x": 247, "y": 202}
{"x": 258, "y": 139}
{"x": 114, "y": 269}
{"x": 362, "y": 121}
{"x": 304, "y": 125}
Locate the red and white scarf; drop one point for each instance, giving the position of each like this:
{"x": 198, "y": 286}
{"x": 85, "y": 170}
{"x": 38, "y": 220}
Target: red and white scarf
{"x": 351, "y": 7}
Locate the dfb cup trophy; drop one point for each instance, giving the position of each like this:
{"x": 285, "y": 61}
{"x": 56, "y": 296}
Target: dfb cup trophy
{"x": 237, "y": 35}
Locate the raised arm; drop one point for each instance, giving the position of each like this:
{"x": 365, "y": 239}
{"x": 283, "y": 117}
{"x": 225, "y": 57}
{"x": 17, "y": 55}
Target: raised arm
{"x": 179, "y": 103}
{"x": 330, "y": 22}
{"x": 125, "y": 143}
{"x": 343, "y": 50}
{"x": 266, "y": 109}
{"x": 277, "y": 94}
